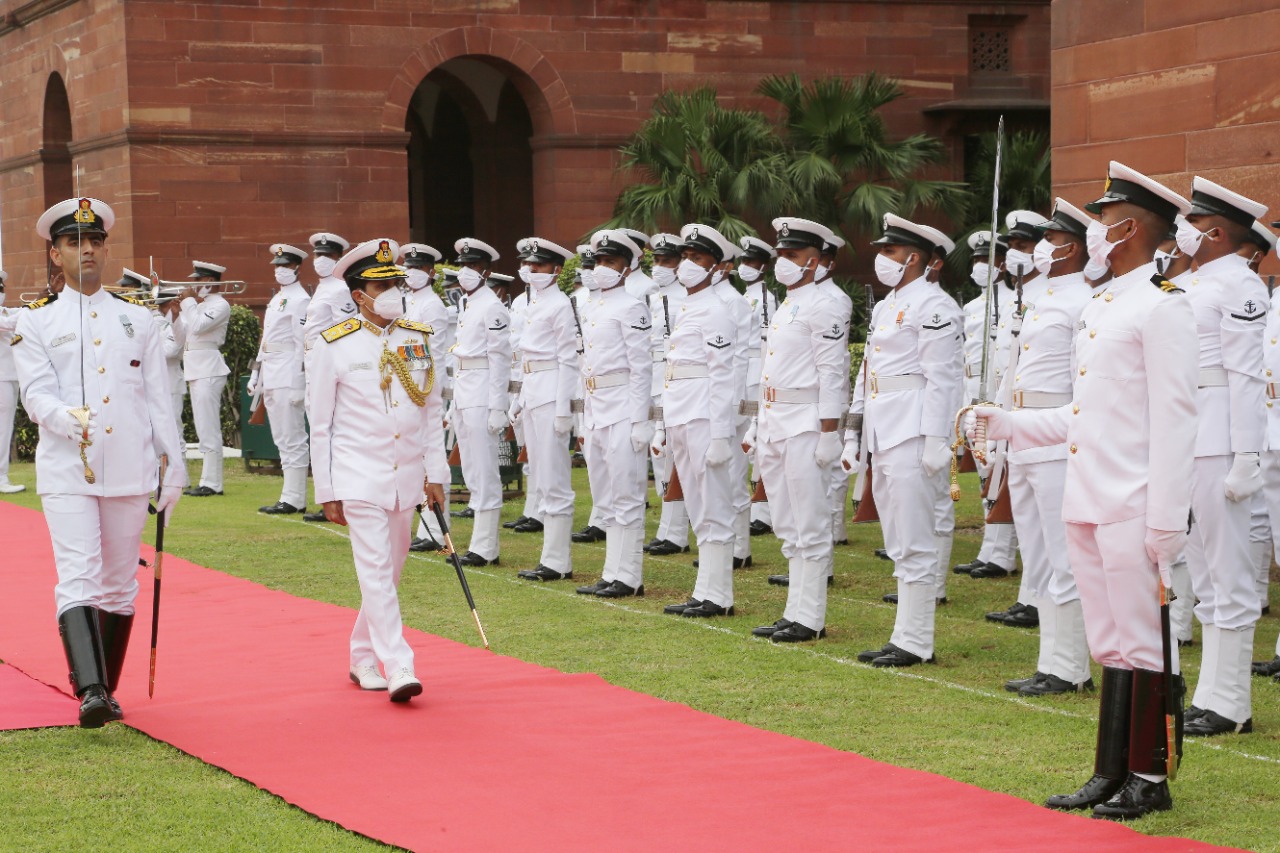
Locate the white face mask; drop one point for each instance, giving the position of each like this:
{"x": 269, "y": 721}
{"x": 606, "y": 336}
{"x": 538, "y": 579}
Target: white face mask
{"x": 1018, "y": 262}
{"x": 787, "y": 272}
{"x": 1189, "y": 238}
{"x": 323, "y": 265}
{"x": 389, "y": 304}
{"x": 820, "y": 273}
{"x": 605, "y": 278}
{"x": 1043, "y": 256}
{"x": 690, "y": 274}
{"x": 889, "y": 271}
{"x": 284, "y": 275}
{"x": 748, "y": 274}
{"x": 717, "y": 277}
{"x": 417, "y": 279}
{"x": 1099, "y": 247}
{"x": 1163, "y": 259}
{"x": 980, "y": 272}
{"x": 469, "y": 279}
{"x": 536, "y": 280}
{"x": 663, "y": 276}
{"x": 1094, "y": 271}
{"x": 204, "y": 291}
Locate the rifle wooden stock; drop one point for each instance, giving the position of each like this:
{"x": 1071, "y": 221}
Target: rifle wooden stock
{"x": 455, "y": 455}
{"x": 866, "y": 511}
{"x": 258, "y": 416}
{"x": 523, "y": 456}
{"x": 758, "y": 496}
{"x": 1001, "y": 511}
{"x": 510, "y": 434}
{"x": 968, "y": 465}
{"x": 674, "y": 490}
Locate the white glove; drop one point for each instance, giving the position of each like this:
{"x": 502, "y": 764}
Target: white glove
{"x": 749, "y": 440}
{"x": 849, "y": 459}
{"x": 514, "y": 410}
{"x": 448, "y": 414}
{"x": 1244, "y": 478}
{"x": 828, "y": 449}
{"x": 497, "y": 421}
{"x": 718, "y": 452}
{"x": 563, "y": 425}
{"x": 641, "y": 434}
{"x": 1163, "y": 548}
{"x": 252, "y": 387}
{"x": 168, "y": 500}
{"x": 70, "y": 426}
{"x": 659, "y": 441}
{"x": 936, "y": 454}
{"x": 999, "y": 425}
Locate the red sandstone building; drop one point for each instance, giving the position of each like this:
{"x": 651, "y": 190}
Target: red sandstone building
{"x": 216, "y": 127}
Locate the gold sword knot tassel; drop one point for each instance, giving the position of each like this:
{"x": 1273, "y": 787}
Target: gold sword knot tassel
{"x": 81, "y": 414}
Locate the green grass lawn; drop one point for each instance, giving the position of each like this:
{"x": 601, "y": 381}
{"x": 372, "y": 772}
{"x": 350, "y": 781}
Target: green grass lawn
{"x": 59, "y": 786}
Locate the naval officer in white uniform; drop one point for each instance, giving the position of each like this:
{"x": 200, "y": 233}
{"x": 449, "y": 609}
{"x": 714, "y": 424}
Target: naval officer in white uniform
{"x": 205, "y": 315}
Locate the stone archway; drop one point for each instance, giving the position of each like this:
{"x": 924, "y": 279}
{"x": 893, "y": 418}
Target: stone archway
{"x": 55, "y": 158}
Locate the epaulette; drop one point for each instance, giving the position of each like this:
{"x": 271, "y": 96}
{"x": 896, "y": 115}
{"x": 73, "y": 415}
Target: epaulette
{"x": 415, "y": 326}
{"x": 1164, "y": 284}
{"x": 43, "y": 301}
{"x": 339, "y": 330}
{"x": 132, "y": 300}
{"x": 17, "y": 339}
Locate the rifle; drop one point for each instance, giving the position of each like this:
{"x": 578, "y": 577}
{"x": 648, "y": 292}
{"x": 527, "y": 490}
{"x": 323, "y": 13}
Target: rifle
{"x": 865, "y": 507}
{"x": 1001, "y": 511}
{"x": 758, "y": 494}
{"x": 1172, "y": 697}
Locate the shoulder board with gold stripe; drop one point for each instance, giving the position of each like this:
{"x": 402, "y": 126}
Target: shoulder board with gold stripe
{"x": 1164, "y": 284}
{"x": 340, "y": 330}
{"x": 130, "y": 299}
{"x": 17, "y": 339}
{"x": 415, "y": 326}
{"x": 43, "y": 301}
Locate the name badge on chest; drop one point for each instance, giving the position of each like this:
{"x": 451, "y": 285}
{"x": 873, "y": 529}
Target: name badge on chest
{"x": 128, "y": 326}
{"x": 62, "y": 339}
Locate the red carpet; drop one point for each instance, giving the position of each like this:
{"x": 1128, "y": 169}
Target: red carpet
{"x": 27, "y": 704}
{"x": 254, "y": 681}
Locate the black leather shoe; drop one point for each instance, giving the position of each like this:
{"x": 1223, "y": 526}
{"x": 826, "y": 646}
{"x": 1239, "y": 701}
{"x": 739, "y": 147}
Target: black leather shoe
{"x": 882, "y": 554}
{"x": 201, "y": 492}
{"x": 780, "y": 580}
{"x": 1027, "y": 617}
{"x": 797, "y": 633}
{"x": 840, "y": 542}
{"x": 590, "y": 533}
{"x": 280, "y": 508}
{"x": 770, "y": 630}
{"x": 1013, "y": 685}
{"x": 1212, "y": 723}
{"x": 509, "y": 525}
{"x": 1002, "y": 617}
{"x": 871, "y": 654}
{"x": 424, "y": 545}
{"x": 1052, "y": 685}
{"x": 759, "y": 528}
{"x": 1191, "y": 713}
{"x": 542, "y": 573}
{"x": 618, "y": 589}
{"x": 892, "y": 597}
{"x": 1182, "y": 644}
{"x": 991, "y": 570}
{"x": 966, "y": 568}
{"x": 463, "y": 513}
{"x": 1137, "y": 797}
{"x": 531, "y": 525}
{"x": 1095, "y": 792}
{"x": 707, "y": 609}
{"x": 96, "y": 708}
{"x": 471, "y": 558}
{"x": 895, "y": 656}
{"x": 593, "y": 588}
{"x": 677, "y": 609}
{"x": 318, "y": 515}
{"x": 664, "y": 548}
{"x": 1266, "y": 668}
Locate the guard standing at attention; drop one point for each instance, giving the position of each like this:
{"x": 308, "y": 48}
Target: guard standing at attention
{"x": 8, "y": 389}
{"x": 672, "y": 536}
{"x": 330, "y": 302}
{"x": 205, "y": 315}
{"x": 753, "y": 266}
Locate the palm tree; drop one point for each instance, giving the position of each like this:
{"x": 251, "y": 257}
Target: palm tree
{"x": 700, "y": 162}
{"x": 842, "y": 165}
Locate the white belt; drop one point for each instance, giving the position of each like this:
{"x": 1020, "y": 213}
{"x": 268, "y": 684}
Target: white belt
{"x": 284, "y": 346}
{"x": 473, "y": 364}
{"x": 608, "y": 380}
{"x": 540, "y": 366}
{"x": 659, "y": 354}
{"x": 1039, "y": 399}
{"x": 905, "y": 382}
{"x": 1212, "y": 377}
{"x": 753, "y": 352}
{"x": 971, "y": 371}
{"x": 790, "y": 395}
{"x": 201, "y": 345}
{"x": 686, "y": 371}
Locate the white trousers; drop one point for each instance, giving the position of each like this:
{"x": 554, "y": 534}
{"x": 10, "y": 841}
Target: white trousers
{"x": 739, "y": 493}
{"x": 837, "y": 499}
{"x": 1119, "y": 594}
{"x": 673, "y": 521}
{"x": 801, "y": 519}
{"x": 95, "y": 549}
{"x": 709, "y": 497}
{"x": 906, "y": 498}
{"x": 944, "y": 529}
{"x": 1260, "y": 543}
{"x": 286, "y": 415}
{"x": 617, "y": 475}
{"x": 549, "y": 483}
{"x": 999, "y": 545}
{"x": 379, "y": 545}
{"x": 206, "y": 411}
{"x": 1222, "y": 570}
{"x": 1035, "y": 492}
{"x": 8, "y": 410}
{"x": 479, "y": 451}
{"x": 179, "y": 394}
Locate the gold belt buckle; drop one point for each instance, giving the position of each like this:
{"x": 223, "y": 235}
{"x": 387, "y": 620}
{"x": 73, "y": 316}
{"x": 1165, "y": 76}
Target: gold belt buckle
{"x": 875, "y": 385}
{"x": 528, "y": 368}
{"x": 770, "y": 394}
{"x": 591, "y": 384}
{"x": 1017, "y": 399}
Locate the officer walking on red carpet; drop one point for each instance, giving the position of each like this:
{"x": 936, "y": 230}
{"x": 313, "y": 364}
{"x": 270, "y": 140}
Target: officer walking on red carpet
{"x": 92, "y": 373}
{"x": 280, "y": 378}
{"x": 205, "y": 315}
{"x": 1131, "y": 433}
{"x": 378, "y": 450}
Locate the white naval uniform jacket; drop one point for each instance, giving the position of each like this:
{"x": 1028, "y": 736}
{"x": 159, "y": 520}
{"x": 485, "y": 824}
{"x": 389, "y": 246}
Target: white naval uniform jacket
{"x": 915, "y": 332}
{"x": 516, "y": 313}
{"x": 640, "y": 285}
{"x": 1130, "y": 427}
{"x": 674, "y": 294}
{"x": 424, "y": 306}
{"x": 330, "y": 303}
{"x": 206, "y": 326}
{"x": 808, "y": 353}
{"x": 483, "y": 333}
{"x": 1230, "y": 306}
{"x": 702, "y": 341}
{"x": 761, "y": 316}
{"x": 616, "y": 332}
{"x": 173, "y": 338}
{"x": 370, "y": 444}
{"x": 975, "y": 314}
{"x": 283, "y": 333}
{"x": 740, "y": 314}
{"x": 843, "y": 315}
{"x": 125, "y": 381}
{"x": 8, "y": 322}
{"x": 1046, "y": 349}
{"x": 550, "y": 341}
{"x": 1271, "y": 372}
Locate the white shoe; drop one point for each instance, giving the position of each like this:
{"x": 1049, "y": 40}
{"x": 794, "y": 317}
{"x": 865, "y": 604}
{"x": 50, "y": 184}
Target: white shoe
{"x": 404, "y": 685}
{"x": 11, "y": 488}
{"x": 368, "y": 678}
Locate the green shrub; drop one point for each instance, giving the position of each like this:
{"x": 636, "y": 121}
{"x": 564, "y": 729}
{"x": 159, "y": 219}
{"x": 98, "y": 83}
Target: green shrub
{"x": 241, "y": 348}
